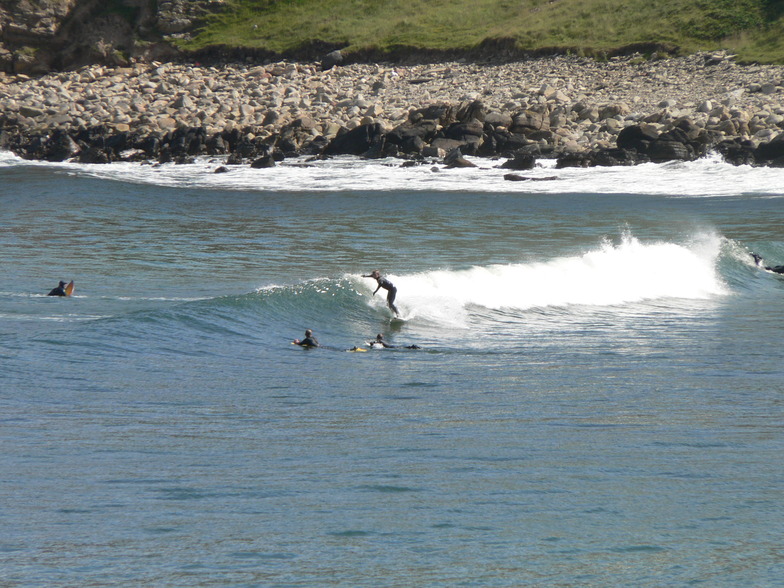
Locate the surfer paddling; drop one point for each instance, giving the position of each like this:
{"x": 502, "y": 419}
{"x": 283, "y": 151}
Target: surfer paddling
{"x": 776, "y": 269}
{"x": 388, "y": 286}
{"x": 379, "y": 342}
{"x": 308, "y": 341}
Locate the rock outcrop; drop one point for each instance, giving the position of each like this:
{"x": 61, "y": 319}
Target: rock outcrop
{"x": 622, "y": 112}
{"x": 39, "y": 36}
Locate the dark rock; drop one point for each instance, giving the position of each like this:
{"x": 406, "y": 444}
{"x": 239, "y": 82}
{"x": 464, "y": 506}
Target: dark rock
{"x": 497, "y": 119}
{"x": 536, "y": 118}
{"x": 221, "y": 170}
{"x": 511, "y": 142}
{"x": 574, "y": 160}
{"x": 521, "y": 161}
{"x": 94, "y": 155}
{"x": 778, "y": 162}
{"x": 382, "y": 149}
{"x": 331, "y": 59}
{"x": 618, "y": 156}
{"x": 519, "y": 178}
{"x": 737, "y": 151}
{"x": 663, "y": 150}
{"x": 455, "y": 159}
{"x": 474, "y": 111}
{"x": 636, "y": 137}
{"x": 772, "y": 150}
{"x": 447, "y": 145}
{"x": 216, "y": 145}
{"x": 465, "y": 131}
{"x": 443, "y": 114}
{"x": 60, "y": 146}
{"x": 356, "y": 141}
{"x": 263, "y": 162}
{"x": 151, "y": 146}
{"x": 411, "y": 137}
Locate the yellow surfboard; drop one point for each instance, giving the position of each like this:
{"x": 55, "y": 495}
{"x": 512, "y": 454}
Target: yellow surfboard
{"x": 69, "y": 288}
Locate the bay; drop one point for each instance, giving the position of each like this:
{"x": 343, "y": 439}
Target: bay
{"x": 596, "y": 401}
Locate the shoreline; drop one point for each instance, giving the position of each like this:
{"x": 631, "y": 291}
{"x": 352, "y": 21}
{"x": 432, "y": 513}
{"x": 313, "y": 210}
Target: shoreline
{"x": 583, "y": 112}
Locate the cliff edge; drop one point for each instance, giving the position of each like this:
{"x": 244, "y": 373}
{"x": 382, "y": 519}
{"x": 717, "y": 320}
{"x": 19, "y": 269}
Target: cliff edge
{"x": 39, "y": 36}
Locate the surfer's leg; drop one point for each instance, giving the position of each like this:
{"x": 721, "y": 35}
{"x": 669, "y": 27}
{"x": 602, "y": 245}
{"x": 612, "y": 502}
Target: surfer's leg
{"x": 391, "y": 300}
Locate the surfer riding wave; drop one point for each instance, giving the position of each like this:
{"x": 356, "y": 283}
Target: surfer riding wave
{"x": 388, "y": 286}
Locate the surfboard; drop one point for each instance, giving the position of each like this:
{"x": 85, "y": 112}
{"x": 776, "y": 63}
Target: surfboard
{"x": 69, "y": 288}
{"x": 356, "y": 350}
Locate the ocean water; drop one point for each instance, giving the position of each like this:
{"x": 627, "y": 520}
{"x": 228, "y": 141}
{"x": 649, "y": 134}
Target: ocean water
{"x": 597, "y": 400}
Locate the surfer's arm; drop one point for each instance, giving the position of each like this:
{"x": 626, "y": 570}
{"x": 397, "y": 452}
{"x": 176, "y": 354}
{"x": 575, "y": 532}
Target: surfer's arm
{"x": 377, "y": 289}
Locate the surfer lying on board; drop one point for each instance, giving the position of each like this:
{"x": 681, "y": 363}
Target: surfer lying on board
{"x": 379, "y": 342}
{"x": 776, "y": 269}
{"x": 308, "y": 341}
{"x": 388, "y": 286}
{"x": 59, "y": 291}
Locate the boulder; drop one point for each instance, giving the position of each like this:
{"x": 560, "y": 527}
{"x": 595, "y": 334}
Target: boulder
{"x": 663, "y": 150}
{"x": 737, "y": 151}
{"x": 474, "y": 111}
{"x": 331, "y": 59}
{"x": 533, "y": 119}
{"x": 772, "y": 150}
{"x": 60, "y": 146}
{"x": 455, "y": 159}
{"x": 637, "y": 137}
{"x": 411, "y": 137}
{"x": 521, "y": 161}
{"x": 263, "y": 162}
{"x": 93, "y": 155}
{"x": 356, "y": 141}
{"x": 498, "y": 119}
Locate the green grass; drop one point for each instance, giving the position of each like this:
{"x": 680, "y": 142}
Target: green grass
{"x": 752, "y": 28}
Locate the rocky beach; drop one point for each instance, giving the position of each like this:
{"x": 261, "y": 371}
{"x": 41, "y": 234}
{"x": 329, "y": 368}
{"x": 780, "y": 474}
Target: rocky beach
{"x": 584, "y": 112}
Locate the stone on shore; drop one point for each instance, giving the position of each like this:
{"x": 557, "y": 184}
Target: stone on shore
{"x": 583, "y": 112}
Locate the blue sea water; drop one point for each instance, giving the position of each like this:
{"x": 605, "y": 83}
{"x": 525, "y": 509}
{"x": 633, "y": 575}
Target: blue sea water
{"x": 597, "y": 400}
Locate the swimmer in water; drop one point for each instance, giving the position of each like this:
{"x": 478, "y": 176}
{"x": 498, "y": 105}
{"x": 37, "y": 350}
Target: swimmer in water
{"x": 308, "y": 341}
{"x": 379, "y": 342}
{"x": 388, "y": 286}
{"x": 59, "y": 291}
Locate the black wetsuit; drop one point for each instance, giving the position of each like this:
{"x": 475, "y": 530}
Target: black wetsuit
{"x": 309, "y": 342}
{"x": 776, "y": 269}
{"x": 59, "y": 291}
{"x": 391, "y": 292}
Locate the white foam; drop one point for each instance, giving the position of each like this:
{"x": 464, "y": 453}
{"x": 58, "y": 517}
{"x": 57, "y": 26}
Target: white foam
{"x": 611, "y": 274}
{"x": 706, "y": 177}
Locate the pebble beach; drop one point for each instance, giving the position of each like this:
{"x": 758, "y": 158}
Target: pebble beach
{"x": 577, "y": 103}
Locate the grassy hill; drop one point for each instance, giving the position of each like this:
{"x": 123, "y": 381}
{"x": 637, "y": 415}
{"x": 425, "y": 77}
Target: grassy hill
{"x": 752, "y": 28}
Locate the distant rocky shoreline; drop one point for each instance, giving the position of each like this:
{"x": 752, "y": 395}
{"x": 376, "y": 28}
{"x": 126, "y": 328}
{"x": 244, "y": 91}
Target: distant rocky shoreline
{"x": 583, "y": 112}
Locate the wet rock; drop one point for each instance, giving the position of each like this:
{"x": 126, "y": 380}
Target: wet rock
{"x": 521, "y": 161}
{"x": 455, "y": 159}
{"x": 771, "y": 151}
{"x": 356, "y": 141}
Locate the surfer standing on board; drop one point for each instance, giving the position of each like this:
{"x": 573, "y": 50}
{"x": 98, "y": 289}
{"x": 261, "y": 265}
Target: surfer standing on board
{"x": 59, "y": 291}
{"x": 388, "y": 286}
